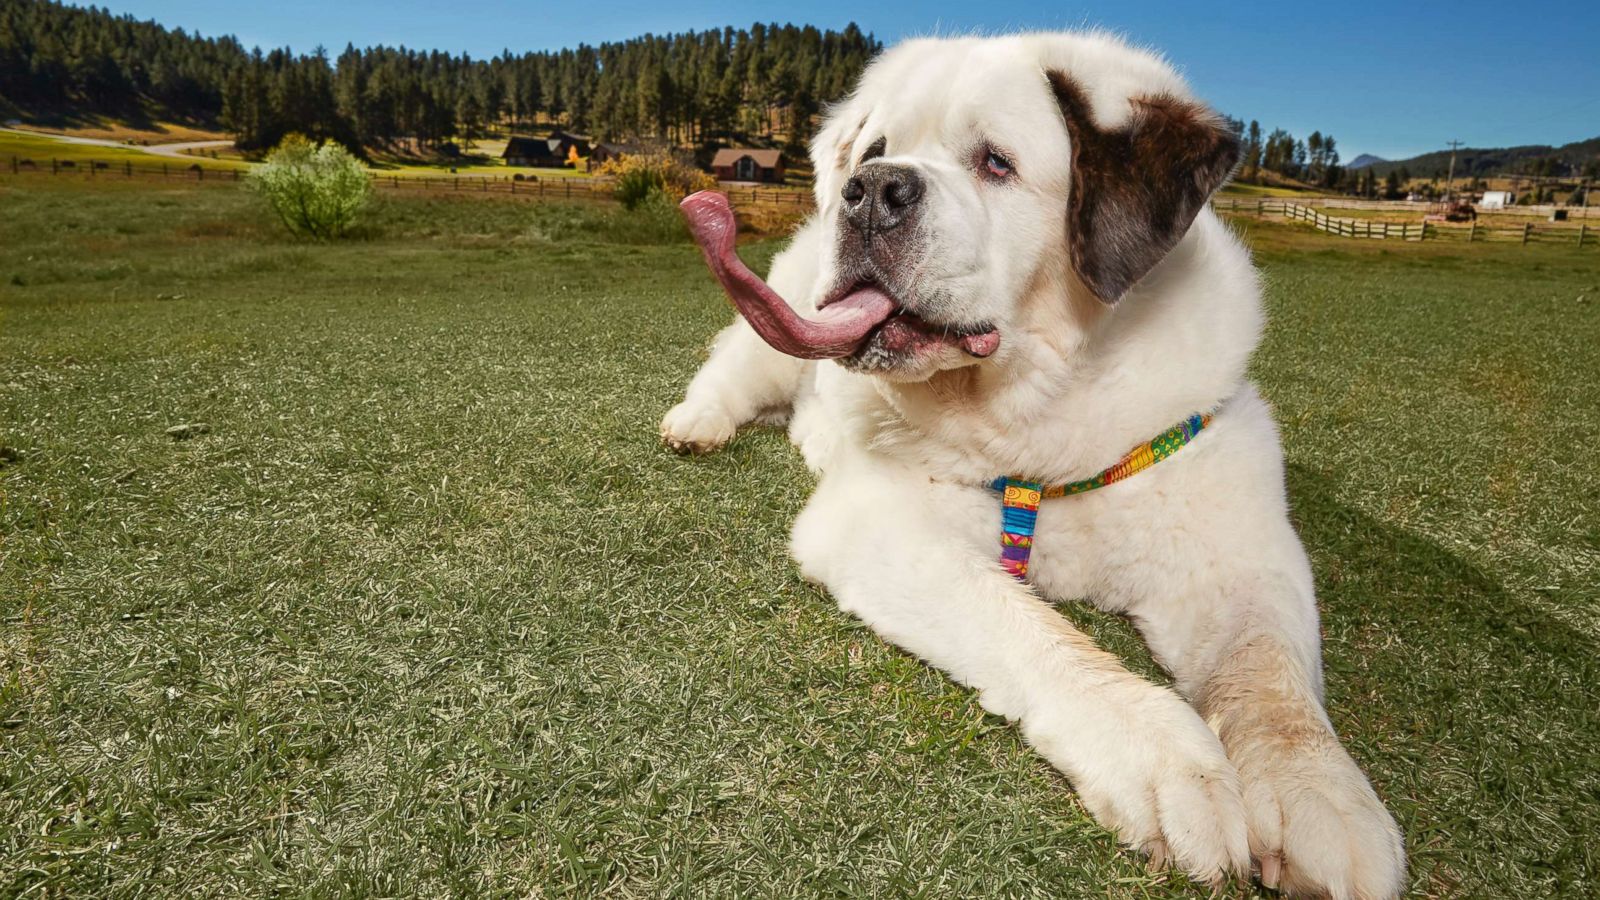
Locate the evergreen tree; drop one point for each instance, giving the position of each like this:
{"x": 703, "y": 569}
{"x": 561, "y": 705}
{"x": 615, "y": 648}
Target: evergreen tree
{"x": 1252, "y": 151}
{"x": 692, "y": 88}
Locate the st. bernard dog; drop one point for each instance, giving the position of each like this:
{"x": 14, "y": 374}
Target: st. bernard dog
{"x": 1013, "y": 272}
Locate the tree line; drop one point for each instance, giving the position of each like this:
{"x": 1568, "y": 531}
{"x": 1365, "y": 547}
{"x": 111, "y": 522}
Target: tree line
{"x": 691, "y": 88}
{"x": 1314, "y": 161}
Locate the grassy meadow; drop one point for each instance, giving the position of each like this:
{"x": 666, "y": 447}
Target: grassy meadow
{"x": 40, "y": 149}
{"x": 146, "y": 131}
{"x": 416, "y": 604}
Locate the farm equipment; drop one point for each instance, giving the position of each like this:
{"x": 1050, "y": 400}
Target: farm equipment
{"x": 1452, "y": 211}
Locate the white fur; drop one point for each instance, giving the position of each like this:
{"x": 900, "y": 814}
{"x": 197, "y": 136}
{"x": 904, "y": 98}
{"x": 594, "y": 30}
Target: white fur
{"x": 1197, "y": 551}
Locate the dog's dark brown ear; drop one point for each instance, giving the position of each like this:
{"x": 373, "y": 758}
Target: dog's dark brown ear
{"x": 1136, "y": 190}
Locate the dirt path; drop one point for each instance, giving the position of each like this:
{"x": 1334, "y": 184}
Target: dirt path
{"x": 174, "y": 150}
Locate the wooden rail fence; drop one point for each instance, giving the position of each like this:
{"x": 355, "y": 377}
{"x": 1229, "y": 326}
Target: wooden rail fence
{"x": 1421, "y": 207}
{"x": 1364, "y": 228}
{"x": 600, "y": 191}
{"x": 1469, "y": 232}
{"x": 557, "y": 188}
{"x": 95, "y": 168}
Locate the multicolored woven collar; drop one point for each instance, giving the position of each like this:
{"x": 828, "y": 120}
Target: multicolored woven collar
{"x": 1019, "y": 499}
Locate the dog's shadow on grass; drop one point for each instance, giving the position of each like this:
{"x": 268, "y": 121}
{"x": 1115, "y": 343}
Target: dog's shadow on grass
{"x": 1475, "y": 713}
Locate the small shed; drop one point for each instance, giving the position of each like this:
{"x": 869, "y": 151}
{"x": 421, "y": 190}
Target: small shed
{"x": 607, "y": 151}
{"x": 748, "y": 164}
{"x": 1497, "y": 200}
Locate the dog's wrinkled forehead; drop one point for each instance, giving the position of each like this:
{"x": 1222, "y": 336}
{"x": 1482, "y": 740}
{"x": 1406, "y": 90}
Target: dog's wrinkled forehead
{"x": 930, "y": 98}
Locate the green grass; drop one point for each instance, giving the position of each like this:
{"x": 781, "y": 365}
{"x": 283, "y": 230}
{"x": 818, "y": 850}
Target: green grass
{"x": 41, "y": 149}
{"x": 427, "y": 611}
{"x": 1238, "y": 189}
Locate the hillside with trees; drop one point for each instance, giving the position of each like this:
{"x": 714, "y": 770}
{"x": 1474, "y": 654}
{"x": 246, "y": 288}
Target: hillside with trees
{"x": 763, "y": 84}
{"x": 766, "y": 82}
{"x": 1577, "y": 159}
{"x": 1313, "y": 162}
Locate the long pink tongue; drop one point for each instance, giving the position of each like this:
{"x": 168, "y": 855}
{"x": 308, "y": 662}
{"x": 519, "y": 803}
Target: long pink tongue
{"x": 836, "y": 331}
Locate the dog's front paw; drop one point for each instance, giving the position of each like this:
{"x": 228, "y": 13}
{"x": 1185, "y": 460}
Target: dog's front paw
{"x": 1163, "y": 782}
{"x": 1317, "y": 829}
{"x": 696, "y": 427}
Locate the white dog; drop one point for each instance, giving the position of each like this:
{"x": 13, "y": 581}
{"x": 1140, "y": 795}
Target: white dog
{"x": 1014, "y": 266}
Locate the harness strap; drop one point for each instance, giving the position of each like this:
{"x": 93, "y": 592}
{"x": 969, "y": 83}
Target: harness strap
{"x": 1019, "y": 498}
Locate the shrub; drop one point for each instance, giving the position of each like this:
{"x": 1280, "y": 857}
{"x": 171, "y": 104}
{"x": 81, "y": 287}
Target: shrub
{"x": 639, "y": 176}
{"x": 655, "y": 220}
{"x": 316, "y": 191}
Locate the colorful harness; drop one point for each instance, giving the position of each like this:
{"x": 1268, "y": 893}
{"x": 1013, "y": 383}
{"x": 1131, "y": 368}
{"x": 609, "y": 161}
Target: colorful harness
{"x": 1019, "y": 499}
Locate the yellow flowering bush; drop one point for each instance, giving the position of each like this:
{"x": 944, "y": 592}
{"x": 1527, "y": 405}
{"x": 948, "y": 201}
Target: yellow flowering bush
{"x": 639, "y": 176}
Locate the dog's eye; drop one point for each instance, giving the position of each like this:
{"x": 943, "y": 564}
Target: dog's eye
{"x": 875, "y": 150}
{"x": 997, "y": 165}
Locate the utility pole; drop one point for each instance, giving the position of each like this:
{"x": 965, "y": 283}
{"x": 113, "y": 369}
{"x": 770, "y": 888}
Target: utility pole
{"x": 1449, "y": 180}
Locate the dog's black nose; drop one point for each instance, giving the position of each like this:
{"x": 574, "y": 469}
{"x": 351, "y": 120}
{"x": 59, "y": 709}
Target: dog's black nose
{"x": 880, "y": 197}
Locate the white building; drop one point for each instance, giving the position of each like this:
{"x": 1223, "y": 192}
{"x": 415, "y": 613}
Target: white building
{"x": 1497, "y": 200}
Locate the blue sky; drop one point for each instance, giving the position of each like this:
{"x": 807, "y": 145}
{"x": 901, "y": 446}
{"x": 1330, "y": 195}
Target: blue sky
{"x": 1393, "y": 79}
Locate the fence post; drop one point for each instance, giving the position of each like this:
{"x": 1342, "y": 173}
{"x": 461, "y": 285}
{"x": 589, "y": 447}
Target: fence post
{"x": 14, "y": 169}
{"x": 52, "y": 165}
{"x": 163, "y": 170}
{"x": 569, "y": 188}
{"x": 1472, "y": 231}
{"x": 1527, "y": 228}
{"x": 1583, "y": 230}
{"x": 199, "y": 173}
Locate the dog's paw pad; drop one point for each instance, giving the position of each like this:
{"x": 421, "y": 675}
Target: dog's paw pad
{"x": 1318, "y": 830}
{"x": 696, "y": 428}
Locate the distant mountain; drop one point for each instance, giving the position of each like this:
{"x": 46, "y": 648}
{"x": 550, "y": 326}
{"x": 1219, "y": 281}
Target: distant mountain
{"x": 1364, "y": 160}
{"x": 1487, "y": 161}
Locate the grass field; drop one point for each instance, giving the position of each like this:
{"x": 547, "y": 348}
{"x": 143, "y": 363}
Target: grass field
{"x": 156, "y": 132}
{"x": 1263, "y": 190}
{"x": 40, "y": 149}
{"x": 425, "y": 610}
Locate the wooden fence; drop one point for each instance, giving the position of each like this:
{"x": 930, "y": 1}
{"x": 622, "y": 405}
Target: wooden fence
{"x": 600, "y": 190}
{"x": 1469, "y": 232}
{"x": 94, "y": 168}
{"x": 557, "y": 188}
{"x": 1362, "y": 228}
{"x": 572, "y": 188}
{"x": 1421, "y": 207}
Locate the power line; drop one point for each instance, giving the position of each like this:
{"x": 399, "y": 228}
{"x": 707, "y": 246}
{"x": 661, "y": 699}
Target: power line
{"x": 1449, "y": 179}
